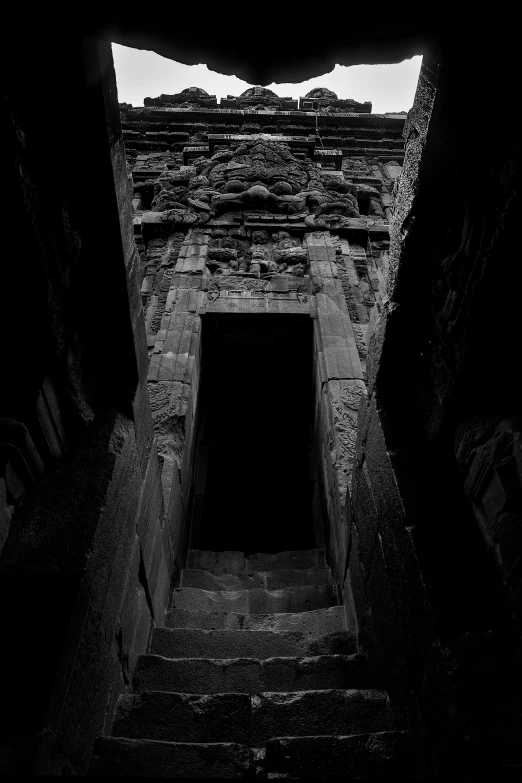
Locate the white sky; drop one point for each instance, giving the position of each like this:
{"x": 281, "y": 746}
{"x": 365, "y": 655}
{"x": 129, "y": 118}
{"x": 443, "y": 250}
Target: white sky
{"x": 142, "y": 74}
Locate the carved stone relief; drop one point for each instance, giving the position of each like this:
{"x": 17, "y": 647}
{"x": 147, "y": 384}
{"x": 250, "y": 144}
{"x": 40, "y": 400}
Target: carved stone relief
{"x": 345, "y": 397}
{"x": 258, "y": 180}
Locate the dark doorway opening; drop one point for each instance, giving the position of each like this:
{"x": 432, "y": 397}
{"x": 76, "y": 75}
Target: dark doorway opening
{"x": 363, "y": 203}
{"x": 253, "y": 489}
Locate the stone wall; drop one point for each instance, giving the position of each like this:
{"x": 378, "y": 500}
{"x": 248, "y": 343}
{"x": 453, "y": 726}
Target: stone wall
{"x": 434, "y": 539}
{"x": 85, "y": 563}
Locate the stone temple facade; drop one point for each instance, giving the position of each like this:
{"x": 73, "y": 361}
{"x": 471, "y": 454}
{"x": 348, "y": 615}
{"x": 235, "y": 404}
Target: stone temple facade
{"x": 265, "y": 205}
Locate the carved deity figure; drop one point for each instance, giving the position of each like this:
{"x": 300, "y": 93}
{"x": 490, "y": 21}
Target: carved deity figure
{"x": 287, "y": 251}
{"x": 259, "y": 237}
{"x": 259, "y": 262}
{"x": 259, "y": 255}
{"x": 225, "y": 255}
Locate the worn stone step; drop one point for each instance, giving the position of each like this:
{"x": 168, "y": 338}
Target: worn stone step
{"x": 315, "y": 623}
{"x": 189, "y": 643}
{"x": 232, "y": 562}
{"x": 250, "y": 675}
{"x": 119, "y": 757}
{"x": 308, "y": 713}
{"x": 226, "y": 562}
{"x": 385, "y": 755}
{"x": 267, "y": 580}
{"x": 249, "y": 719}
{"x": 193, "y": 599}
{"x": 185, "y": 717}
{"x": 256, "y": 601}
{"x": 297, "y": 558}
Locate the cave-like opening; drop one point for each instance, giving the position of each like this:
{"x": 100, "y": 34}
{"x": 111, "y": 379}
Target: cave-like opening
{"x": 253, "y": 488}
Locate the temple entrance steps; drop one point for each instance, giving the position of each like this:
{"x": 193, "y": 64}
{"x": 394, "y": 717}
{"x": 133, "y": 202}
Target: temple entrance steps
{"x": 255, "y": 675}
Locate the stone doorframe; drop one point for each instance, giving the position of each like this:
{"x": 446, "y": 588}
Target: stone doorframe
{"x": 174, "y": 377}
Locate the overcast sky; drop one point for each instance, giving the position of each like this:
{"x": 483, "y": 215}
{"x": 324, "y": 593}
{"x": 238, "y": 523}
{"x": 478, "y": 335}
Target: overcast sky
{"x": 142, "y": 74}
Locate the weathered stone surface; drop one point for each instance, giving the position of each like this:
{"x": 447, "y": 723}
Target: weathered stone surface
{"x": 204, "y": 580}
{"x": 236, "y": 562}
{"x": 269, "y": 580}
{"x": 250, "y": 720}
{"x": 301, "y": 558}
{"x": 257, "y": 600}
{"x": 185, "y": 643}
{"x": 216, "y": 562}
{"x": 250, "y": 675}
{"x": 196, "y": 600}
{"x": 344, "y": 398}
{"x": 338, "y": 349}
{"x": 288, "y": 677}
{"x": 383, "y": 755}
{"x": 309, "y": 713}
{"x": 314, "y": 623}
{"x": 293, "y": 599}
{"x": 198, "y": 675}
{"x": 119, "y": 757}
{"x": 314, "y": 673}
{"x": 184, "y": 717}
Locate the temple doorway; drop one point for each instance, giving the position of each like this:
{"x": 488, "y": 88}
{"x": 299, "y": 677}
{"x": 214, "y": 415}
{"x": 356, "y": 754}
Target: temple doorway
{"x": 254, "y": 476}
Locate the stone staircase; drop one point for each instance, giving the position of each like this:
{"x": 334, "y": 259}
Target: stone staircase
{"x": 254, "y": 675}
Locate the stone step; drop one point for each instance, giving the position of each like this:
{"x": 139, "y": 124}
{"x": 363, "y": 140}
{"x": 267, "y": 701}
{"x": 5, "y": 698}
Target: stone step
{"x": 297, "y": 558}
{"x": 385, "y": 755}
{"x": 236, "y": 562}
{"x": 308, "y": 713}
{"x": 119, "y": 757}
{"x": 249, "y": 719}
{"x": 315, "y": 623}
{"x": 267, "y": 580}
{"x": 184, "y": 717}
{"x": 256, "y": 601}
{"x": 189, "y": 643}
{"x": 249, "y": 675}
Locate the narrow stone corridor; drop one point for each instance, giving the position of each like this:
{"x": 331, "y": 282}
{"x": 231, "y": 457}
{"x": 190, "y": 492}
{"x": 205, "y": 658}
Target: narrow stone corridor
{"x": 379, "y": 250}
{"x": 254, "y": 675}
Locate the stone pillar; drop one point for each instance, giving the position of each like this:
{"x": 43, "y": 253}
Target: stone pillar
{"x": 339, "y": 386}
{"x": 174, "y": 323}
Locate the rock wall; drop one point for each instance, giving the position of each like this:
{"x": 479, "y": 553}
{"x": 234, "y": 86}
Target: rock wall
{"x": 434, "y": 537}
{"x": 85, "y": 559}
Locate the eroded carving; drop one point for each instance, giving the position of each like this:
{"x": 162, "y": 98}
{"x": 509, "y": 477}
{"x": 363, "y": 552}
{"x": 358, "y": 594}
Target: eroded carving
{"x": 257, "y": 180}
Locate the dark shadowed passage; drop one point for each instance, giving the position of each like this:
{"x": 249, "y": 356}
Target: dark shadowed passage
{"x": 253, "y": 489}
